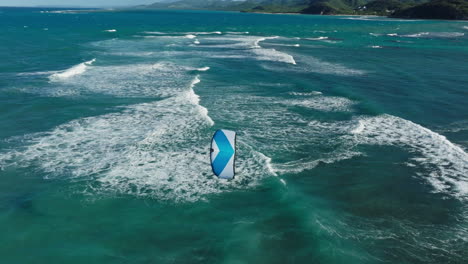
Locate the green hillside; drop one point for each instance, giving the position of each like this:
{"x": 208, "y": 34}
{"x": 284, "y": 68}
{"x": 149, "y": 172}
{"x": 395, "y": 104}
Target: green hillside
{"x": 436, "y": 9}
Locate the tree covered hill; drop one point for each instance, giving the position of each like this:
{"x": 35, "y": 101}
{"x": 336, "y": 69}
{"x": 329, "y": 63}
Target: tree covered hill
{"x": 438, "y": 9}
{"x": 434, "y": 9}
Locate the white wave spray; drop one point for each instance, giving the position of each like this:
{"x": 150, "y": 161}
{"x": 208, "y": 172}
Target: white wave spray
{"x": 73, "y": 71}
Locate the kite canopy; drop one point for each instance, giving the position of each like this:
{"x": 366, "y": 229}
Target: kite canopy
{"x": 223, "y": 152}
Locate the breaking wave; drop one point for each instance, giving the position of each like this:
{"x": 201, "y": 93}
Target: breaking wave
{"x": 445, "y": 164}
{"x": 73, "y": 71}
{"x": 139, "y": 80}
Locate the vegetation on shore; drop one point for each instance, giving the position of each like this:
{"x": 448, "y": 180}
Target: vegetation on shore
{"x": 438, "y": 9}
{"x": 434, "y": 9}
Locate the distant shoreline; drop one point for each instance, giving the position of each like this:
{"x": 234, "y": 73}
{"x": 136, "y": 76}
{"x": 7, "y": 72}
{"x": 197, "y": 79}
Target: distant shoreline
{"x": 311, "y": 14}
{"x": 111, "y": 9}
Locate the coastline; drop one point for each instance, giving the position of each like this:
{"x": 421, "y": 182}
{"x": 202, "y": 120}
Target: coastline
{"x": 79, "y": 10}
{"x": 281, "y": 13}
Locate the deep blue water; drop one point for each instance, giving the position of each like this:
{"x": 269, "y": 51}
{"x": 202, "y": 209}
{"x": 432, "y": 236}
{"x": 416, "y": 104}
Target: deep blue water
{"x": 352, "y": 138}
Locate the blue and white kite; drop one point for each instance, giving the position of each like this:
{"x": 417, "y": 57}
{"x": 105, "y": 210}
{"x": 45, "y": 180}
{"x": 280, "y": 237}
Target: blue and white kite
{"x": 223, "y": 153}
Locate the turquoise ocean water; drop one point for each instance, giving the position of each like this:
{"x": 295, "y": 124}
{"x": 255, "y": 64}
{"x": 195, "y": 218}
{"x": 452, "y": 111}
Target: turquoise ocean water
{"x": 352, "y": 138}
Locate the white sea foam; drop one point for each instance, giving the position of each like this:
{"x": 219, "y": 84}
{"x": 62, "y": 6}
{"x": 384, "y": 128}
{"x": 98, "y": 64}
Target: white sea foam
{"x": 237, "y": 32}
{"x": 357, "y": 18}
{"x": 465, "y": 27}
{"x": 182, "y": 33}
{"x": 317, "y": 38}
{"x": 154, "y": 33}
{"x": 135, "y": 80}
{"x": 376, "y": 47}
{"x": 195, "y": 100}
{"x": 64, "y": 11}
{"x": 73, "y": 71}
{"x": 195, "y": 81}
{"x": 322, "y": 39}
{"x": 206, "y": 33}
{"x": 359, "y": 128}
{"x": 267, "y": 162}
{"x": 229, "y": 56}
{"x": 378, "y": 18}
{"x": 316, "y": 65}
{"x": 256, "y": 43}
{"x": 305, "y": 94}
{"x": 196, "y": 42}
{"x": 110, "y": 30}
{"x": 301, "y": 165}
{"x": 203, "y": 69}
{"x": 311, "y": 64}
{"x": 284, "y": 45}
{"x": 324, "y": 103}
{"x": 434, "y": 35}
{"x": 235, "y": 41}
{"x": 132, "y": 54}
{"x": 445, "y": 164}
{"x": 273, "y": 55}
